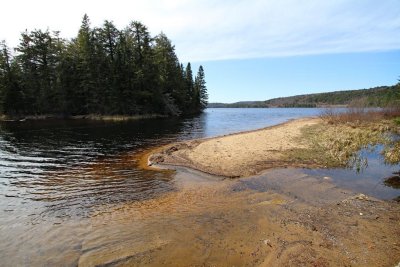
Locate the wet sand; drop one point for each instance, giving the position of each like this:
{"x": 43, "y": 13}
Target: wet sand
{"x": 281, "y": 217}
{"x": 237, "y": 155}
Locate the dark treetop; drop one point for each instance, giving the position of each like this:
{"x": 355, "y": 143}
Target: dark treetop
{"x": 103, "y": 71}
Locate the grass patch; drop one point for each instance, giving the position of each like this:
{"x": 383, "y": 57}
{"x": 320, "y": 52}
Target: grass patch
{"x": 360, "y": 115}
{"x": 337, "y": 144}
{"x": 314, "y": 153}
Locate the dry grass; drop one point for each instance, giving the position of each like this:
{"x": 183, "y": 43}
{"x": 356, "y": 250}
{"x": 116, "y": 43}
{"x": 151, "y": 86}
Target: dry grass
{"x": 337, "y": 141}
{"x": 359, "y": 115}
{"x": 337, "y": 145}
{"x": 391, "y": 152}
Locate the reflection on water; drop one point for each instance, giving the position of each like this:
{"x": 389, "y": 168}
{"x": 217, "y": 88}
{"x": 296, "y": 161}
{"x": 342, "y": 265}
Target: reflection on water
{"x": 57, "y": 176}
{"x": 70, "y": 167}
{"x": 368, "y": 178}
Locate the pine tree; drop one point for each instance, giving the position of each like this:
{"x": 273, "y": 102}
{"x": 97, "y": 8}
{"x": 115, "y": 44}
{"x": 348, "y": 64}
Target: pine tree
{"x": 103, "y": 70}
{"x": 85, "y": 64}
{"x": 201, "y": 89}
{"x": 10, "y": 92}
{"x": 169, "y": 74}
{"x": 105, "y": 41}
{"x": 147, "y": 95}
{"x": 189, "y": 84}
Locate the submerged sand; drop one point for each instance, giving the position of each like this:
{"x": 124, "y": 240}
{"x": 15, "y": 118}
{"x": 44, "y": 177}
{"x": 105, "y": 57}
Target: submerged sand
{"x": 238, "y": 155}
{"x": 282, "y": 217}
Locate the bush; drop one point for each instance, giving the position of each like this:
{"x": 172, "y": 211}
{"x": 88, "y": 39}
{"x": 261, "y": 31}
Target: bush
{"x": 358, "y": 115}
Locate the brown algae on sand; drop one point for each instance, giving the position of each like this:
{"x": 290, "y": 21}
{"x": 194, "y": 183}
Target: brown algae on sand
{"x": 282, "y": 217}
{"x": 214, "y": 222}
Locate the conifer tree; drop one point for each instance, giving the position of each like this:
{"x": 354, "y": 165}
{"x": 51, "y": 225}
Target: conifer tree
{"x": 102, "y": 71}
{"x": 189, "y": 83}
{"x": 201, "y": 89}
{"x": 169, "y": 74}
{"x": 11, "y": 96}
{"x": 84, "y": 50}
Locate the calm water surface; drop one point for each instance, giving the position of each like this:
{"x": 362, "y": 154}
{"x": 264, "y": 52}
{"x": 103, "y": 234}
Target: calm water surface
{"x": 67, "y": 168}
{"x": 55, "y": 175}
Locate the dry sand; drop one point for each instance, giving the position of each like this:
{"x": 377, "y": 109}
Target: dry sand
{"x": 237, "y": 155}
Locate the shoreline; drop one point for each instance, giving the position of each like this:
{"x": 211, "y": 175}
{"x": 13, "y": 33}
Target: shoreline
{"x": 299, "y": 219}
{"x": 180, "y": 153}
{"x": 94, "y": 117}
{"x": 309, "y": 142}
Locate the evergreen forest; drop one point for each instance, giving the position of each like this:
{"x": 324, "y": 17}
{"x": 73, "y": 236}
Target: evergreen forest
{"x": 103, "y": 70}
{"x": 383, "y": 96}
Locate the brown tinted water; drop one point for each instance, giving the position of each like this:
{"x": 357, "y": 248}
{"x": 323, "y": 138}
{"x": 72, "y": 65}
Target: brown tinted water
{"x": 71, "y": 193}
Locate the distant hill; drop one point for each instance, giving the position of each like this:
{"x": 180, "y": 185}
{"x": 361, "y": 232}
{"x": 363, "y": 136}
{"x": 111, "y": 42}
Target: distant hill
{"x": 373, "y": 97}
{"x": 242, "y": 104}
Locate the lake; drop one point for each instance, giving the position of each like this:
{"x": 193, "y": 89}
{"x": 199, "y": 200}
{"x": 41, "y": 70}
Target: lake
{"x": 56, "y": 175}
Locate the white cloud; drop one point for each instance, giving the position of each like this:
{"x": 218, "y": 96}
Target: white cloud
{"x": 213, "y": 30}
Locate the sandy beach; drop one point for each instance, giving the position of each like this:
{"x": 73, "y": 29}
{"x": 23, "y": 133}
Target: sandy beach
{"x": 292, "y": 219}
{"x": 238, "y": 155}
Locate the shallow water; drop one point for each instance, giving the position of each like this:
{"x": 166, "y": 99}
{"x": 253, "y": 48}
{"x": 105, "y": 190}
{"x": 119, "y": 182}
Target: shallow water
{"x": 57, "y": 177}
{"x": 68, "y": 168}
{"x": 368, "y": 179}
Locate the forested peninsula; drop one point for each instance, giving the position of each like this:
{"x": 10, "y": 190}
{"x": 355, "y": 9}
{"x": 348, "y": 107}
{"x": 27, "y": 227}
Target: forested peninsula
{"x": 102, "y": 71}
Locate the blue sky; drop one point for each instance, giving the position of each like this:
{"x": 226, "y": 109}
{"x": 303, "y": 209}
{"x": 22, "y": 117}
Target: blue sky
{"x": 265, "y": 78}
{"x": 251, "y": 50}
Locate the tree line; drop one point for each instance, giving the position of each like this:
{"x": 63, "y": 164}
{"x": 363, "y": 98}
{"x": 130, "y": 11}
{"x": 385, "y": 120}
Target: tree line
{"x": 103, "y": 71}
{"x": 383, "y": 96}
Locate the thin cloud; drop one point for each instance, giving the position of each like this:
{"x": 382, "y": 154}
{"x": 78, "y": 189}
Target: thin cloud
{"x": 216, "y": 30}
{"x": 290, "y": 28}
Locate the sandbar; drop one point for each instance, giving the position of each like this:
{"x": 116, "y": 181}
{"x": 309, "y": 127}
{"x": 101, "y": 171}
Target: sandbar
{"x": 238, "y": 155}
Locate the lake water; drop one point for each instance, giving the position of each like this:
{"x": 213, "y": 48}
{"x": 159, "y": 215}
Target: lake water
{"x": 56, "y": 175}
{"x": 68, "y": 168}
